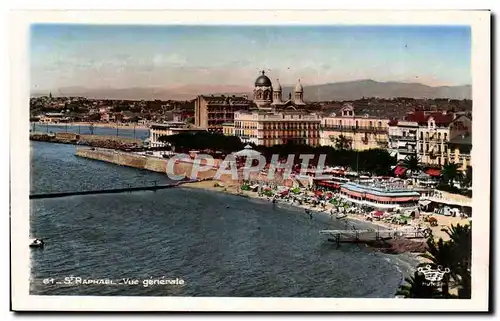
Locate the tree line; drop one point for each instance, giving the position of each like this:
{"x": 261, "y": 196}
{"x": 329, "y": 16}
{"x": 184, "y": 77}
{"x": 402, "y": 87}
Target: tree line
{"x": 377, "y": 161}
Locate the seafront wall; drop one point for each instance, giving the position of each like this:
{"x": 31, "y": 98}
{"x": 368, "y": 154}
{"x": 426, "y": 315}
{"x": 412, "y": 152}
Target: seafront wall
{"x": 88, "y": 140}
{"x": 181, "y": 166}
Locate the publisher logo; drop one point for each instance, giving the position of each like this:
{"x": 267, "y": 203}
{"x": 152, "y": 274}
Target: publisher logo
{"x": 434, "y": 276}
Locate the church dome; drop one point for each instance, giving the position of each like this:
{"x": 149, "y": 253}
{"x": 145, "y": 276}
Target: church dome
{"x": 298, "y": 87}
{"x": 263, "y": 80}
{"x": 278, "y": 86}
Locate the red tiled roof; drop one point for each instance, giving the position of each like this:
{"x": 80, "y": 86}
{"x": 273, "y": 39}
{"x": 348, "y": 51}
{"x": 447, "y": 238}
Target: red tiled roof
{"x": 393, "y": 122}
{"x": 416, "y": 116}
{"x": 441, "y": 119}
{"x": 420, "y": 117}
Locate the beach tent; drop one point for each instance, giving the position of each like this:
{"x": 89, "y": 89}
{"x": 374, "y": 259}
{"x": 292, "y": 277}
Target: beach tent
{"x": 434, "y": 172}
{"x": 399, "y": 170}
{"x": 424, "y": 202}
{"x": 247, "y": 151}
{"x": 377, "y": 214}
{"x": 284, "y": 193}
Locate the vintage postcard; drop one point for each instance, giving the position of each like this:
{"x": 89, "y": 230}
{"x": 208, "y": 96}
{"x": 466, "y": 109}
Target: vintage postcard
{"x": 250, "y": 160}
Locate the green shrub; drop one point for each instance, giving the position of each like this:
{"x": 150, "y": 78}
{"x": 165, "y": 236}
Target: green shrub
{"x": 268, "y": 192}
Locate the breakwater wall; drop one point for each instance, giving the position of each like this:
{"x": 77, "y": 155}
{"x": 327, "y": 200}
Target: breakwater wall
{"x": 113, "y": 142}
{"x": 181, "y": 167}
{"x": 106, "y": 191}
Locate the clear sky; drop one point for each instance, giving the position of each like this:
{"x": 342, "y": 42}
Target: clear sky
{"x": 96, "y": 56}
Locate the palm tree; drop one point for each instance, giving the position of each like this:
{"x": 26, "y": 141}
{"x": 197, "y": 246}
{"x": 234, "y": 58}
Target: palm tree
{"x": 441, "y": 254}
{"x": 461, "y": 242}
{"x": 412, "y": 163}
{"x": 467, "y": 177}
{"x": 342, "y": 142}
{"x": 454, "y": 254}
{"x": 450, "y": 173}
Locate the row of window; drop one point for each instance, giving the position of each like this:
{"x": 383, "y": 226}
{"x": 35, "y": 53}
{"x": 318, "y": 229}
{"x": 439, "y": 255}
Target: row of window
{"x": 379, "y": 202}
{"x": 278, "y": 126}
{"x": 427, "y": 148}
{"x": 427, "y": 136}
{"x": 213, "y": 111}
{"x": 298, "y": 135}
{"x": 281, "y": 126}
{"x": 213, "y": 122}
{"x": 349, "y": 124}
{"x": 245, "y": 126}
{"x": 356, "y": 129}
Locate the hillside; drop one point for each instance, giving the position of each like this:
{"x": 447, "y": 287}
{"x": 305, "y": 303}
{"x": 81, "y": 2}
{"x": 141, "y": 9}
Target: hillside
{"x": 333, "y": 91}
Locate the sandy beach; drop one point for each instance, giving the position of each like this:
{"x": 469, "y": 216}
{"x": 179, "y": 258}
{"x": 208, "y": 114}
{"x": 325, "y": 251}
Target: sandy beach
{"x": 233, "y": 187}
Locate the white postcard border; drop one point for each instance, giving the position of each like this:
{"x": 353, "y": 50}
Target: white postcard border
{"x": 20, "y": 158}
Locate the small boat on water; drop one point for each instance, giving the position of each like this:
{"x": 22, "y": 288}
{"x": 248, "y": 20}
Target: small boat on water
{"x": 37, "y": 243}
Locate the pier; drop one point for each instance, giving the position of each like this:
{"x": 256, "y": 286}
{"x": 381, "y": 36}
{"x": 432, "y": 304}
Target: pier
{"x": 154, "y": 187}
{"x": 371, "y": 236}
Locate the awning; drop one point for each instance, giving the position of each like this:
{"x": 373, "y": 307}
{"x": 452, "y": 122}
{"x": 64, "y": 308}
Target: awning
{"x": 433, "y": 172}
{"x": 424, "y": 202}
{"x": 399, "y": 170}
{"x": 327, "y": 184}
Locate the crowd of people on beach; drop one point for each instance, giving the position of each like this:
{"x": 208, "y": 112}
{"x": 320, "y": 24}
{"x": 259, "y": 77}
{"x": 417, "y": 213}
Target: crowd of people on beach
{"x": 310, "y": 198}
{"x": 320, "y": 200}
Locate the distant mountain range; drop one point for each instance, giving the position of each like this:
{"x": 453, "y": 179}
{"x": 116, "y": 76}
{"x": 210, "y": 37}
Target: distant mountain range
{"x": 333, "y": 91}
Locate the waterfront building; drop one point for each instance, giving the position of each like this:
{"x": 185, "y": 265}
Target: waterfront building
{"x": 358, "y": 132}
{"x": 437, "y": 200}
{"x": 228, "y": 129}
{"x": 50, "y": 118}
{"x": 432, "y": 136}
{"x": 167, "y": 129}
{"x": 459, "y": 151}
{"x": 460, "y": 125}
{"x": 380, "y": 196}
{"x": 270, "y": 128}
{"x": 460, "y": 144}
{"x": 402, "y": 138}
{"x": 210, "y": 112}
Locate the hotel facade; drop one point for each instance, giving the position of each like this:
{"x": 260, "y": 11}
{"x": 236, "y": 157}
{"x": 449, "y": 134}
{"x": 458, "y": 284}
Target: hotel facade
{"x": 210, "y": 112}
{"x": 402, "y": 138}
{"x": 358, "y": 132}
{"x": 275, "y": 128}
{"x": 460, "y": 144}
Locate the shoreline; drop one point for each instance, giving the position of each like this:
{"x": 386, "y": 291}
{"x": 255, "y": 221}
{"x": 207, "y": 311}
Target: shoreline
{"x": 98, "y": 125}
{"x": 208, "y": 185}
{"x": 394, "y": 246}
{"x": 232, "y": 188}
